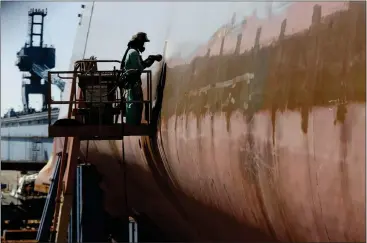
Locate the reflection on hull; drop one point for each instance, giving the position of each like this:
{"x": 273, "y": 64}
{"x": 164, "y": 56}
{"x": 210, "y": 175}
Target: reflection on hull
{"x": 256, "y": 141}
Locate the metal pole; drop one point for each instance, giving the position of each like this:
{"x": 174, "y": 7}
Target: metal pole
{"x": 135, "y": 232}
{"x": 130, "y": 232}
{"x": 70, "y": 235}
{"x": 78, "y": 204}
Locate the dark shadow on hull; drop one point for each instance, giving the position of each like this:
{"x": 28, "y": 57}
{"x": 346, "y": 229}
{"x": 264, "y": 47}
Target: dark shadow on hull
{"x": 198, "y": 222}
{"x": 166, "y": 212}
{"x": 156, "y": 111}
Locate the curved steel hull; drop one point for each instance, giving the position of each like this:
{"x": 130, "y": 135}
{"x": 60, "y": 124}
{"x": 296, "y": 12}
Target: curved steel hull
{"x": 261, "y": 135}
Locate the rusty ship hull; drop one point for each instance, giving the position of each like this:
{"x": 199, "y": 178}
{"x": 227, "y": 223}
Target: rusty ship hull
{"x": 261, "y": 120}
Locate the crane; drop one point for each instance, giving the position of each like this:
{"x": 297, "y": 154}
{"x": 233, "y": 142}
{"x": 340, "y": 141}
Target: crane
{"x": 36, "y": 59}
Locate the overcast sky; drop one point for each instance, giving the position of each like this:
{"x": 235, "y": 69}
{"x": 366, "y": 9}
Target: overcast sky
{"x": 62, "y": 21}
{"x": 60, "y": 29}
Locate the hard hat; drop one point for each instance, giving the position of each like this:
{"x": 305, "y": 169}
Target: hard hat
{"x": 140, "y": 36}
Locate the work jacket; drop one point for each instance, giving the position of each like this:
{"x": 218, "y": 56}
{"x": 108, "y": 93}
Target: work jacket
{"x": 134, "y": 60}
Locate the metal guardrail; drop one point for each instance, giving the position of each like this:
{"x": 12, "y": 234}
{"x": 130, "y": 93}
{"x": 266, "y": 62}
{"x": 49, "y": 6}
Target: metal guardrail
{"x": 75, "y": 100}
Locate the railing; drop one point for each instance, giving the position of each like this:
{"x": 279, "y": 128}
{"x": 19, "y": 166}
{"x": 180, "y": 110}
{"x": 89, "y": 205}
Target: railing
{"x": 107, "y": 77}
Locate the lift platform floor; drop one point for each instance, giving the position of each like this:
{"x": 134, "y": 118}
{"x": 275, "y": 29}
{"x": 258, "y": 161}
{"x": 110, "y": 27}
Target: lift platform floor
{"x": 105, "y": 132}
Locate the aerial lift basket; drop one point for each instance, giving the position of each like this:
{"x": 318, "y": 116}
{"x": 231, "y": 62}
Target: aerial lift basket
{"x": 95, "y": 102}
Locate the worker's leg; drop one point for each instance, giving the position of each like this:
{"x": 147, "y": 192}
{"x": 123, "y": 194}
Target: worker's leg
{"x": 134, "y": 110}
{"x": 139, "y": 106}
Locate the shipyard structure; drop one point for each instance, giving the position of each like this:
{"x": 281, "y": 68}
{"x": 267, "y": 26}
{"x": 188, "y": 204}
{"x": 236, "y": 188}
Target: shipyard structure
{"x": 25, "y": 144}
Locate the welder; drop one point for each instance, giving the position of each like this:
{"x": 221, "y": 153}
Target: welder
{"x": 132, "y": 61}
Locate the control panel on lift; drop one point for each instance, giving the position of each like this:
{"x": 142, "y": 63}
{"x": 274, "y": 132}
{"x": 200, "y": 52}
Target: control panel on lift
{"x": 96, "y": 107}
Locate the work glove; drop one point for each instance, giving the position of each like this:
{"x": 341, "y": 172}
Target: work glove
{"x": 157, "y": 58}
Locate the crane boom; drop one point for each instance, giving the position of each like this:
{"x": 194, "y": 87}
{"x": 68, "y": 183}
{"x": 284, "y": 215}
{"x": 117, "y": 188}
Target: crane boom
{"x": 42, "y": 72}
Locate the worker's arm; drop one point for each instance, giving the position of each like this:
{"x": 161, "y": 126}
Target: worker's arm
{"x": 151, "y": 59}
{"x": 134, "y": 61}
{"x": 148, "y": 62}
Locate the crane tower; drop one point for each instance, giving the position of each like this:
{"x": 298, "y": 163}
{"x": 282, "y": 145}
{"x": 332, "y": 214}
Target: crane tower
{"x": 35, "y": 59}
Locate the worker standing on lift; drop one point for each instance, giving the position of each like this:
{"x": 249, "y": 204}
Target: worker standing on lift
{"x": 132, "y": 60}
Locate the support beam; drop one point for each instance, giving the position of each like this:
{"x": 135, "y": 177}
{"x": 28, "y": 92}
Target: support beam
{"x": 68, "y": 190}
{"x": 105, "y": 132}
{"x": 44, "y": 230}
